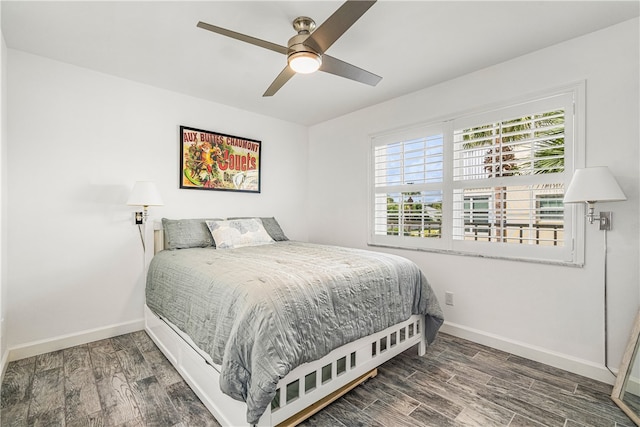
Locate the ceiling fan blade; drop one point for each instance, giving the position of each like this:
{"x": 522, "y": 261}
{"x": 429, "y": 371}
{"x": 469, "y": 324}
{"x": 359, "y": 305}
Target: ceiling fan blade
{"x": 243, "y": 37}
{"x": 282, "y": 78}
{"x": 337, "y": 24}
{"x": 343, "y": 69}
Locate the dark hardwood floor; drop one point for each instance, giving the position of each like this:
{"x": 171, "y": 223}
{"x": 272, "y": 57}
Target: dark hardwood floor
{"x": 126, "y": 381}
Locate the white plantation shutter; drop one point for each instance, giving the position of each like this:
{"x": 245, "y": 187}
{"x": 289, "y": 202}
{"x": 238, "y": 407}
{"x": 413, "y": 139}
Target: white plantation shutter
{"x": 490, "y": 183}
{"x": 515, "y": 158}
{"x": 408, "y": 175}
{"x": 417, "y": 160}
{"x": 521, "y": 145}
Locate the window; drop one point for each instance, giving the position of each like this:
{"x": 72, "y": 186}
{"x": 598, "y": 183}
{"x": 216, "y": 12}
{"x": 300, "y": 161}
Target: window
{"x": 408, "y": 181}
{"x": 489, "y": 183}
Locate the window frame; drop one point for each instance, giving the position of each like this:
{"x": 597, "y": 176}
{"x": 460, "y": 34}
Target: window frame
{"x": 572, "y": 98}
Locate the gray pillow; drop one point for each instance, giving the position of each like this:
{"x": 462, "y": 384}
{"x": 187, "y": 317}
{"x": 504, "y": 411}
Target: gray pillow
{"x": 271, "y": 225}
{"x": 187, "y": 233}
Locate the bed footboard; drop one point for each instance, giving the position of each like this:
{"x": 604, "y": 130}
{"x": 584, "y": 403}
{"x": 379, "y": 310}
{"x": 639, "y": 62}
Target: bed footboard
{"x": 306, "y": 389}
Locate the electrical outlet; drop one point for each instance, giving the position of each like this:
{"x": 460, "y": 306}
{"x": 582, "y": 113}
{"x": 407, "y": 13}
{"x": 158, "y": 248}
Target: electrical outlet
{"x": 448, "y": 298}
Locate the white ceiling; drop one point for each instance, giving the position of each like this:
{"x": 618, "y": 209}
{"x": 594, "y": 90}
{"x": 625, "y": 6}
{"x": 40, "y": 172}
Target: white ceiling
{"x": 411, "y": 44}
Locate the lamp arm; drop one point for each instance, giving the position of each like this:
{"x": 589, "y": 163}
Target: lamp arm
{"x": 603, "y": 218}
{"x": 591, "y": 216}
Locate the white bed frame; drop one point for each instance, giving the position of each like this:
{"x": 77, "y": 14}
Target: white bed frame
{"x": 306, "y": 389}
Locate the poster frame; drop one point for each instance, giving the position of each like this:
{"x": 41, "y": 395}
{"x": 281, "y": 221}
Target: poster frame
{"x": 208, "y": 159}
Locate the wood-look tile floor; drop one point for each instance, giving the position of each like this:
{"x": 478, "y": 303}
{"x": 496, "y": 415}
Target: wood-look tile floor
{"x": 126, "y": 381}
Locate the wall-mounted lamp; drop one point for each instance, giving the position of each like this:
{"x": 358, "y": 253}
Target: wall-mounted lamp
{"x": 591, "y": 185}
{"x": 145, "y": 194}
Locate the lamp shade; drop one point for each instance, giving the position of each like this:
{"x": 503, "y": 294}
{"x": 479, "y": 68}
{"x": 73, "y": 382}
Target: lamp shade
{"x": 595, "y": 184}
{"x": 145, "y": 193}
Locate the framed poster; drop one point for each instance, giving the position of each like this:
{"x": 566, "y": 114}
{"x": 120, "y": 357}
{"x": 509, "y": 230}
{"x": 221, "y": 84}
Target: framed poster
{"x": 215, "y": 161}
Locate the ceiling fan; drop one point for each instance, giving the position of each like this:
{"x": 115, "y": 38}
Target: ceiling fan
{"x": 306, "y": 50}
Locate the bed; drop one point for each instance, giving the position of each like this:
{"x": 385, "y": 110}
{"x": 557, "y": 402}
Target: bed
{"x": 268, "y": 331}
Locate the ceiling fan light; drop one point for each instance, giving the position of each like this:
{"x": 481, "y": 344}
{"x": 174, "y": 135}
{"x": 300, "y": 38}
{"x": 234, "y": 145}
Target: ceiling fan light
{"x": 305, "y": 62}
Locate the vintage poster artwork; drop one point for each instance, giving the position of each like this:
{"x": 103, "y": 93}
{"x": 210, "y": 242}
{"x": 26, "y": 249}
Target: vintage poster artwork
{"x": 215, "y": 161}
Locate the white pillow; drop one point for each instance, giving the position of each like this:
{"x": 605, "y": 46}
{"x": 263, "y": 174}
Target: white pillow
{"x": 237, "y": 233}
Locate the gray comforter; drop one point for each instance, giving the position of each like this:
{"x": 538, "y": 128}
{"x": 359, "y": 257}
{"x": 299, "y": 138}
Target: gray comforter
{"x": 261, "y": 311}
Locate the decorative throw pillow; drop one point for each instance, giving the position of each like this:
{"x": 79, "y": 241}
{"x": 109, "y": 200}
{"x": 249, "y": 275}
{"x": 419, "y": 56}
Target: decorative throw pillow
{"x": 274, "y": 230}
{"x": 271, "y": 225}
{"x": 187, "y": 233}
{"x": 237, "y": 233}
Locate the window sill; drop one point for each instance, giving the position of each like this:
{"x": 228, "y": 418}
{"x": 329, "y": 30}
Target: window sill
{"x": 477, "y": 255}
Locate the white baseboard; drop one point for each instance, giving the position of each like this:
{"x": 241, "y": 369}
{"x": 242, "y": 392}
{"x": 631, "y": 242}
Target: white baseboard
{"x": 65, "y": 341}
{"x": 558, "y": 360}
{"x": 4, "y": 361}
{"x": 538, "y": 354}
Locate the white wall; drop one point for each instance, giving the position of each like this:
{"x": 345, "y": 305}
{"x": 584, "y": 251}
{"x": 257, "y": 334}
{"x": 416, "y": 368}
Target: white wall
{"x": 3, "y": 193}
{"x": 548, "y": 312}
{"x": 77, "y": 141}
